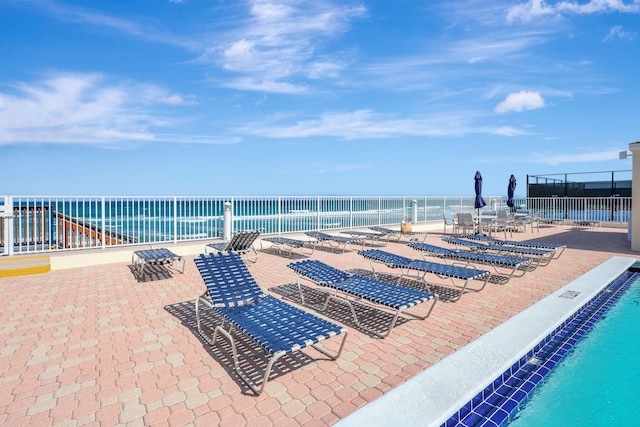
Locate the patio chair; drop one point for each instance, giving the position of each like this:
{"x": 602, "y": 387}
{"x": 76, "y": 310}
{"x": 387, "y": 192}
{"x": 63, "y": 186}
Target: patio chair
{"x": 333, "y": 241}
{"x": 160, "y": 256}
{"x": 240, "y": 243}
{"x": 344, "y": 285}
{"x": 524, "y": 217}
{"x": 465, "y": 222}
{"x": 557, "y": 249}
{"x": 280, "y": 243}
{"x": 278, "y": 327}
{"x": 503, "y": 223}
{"x": 374, "y": 238}
{"x": 397, "y": 234}
{"x": 516, "y": 266}
{"x": 441, "y": 270}
{"x": 540, "y": 256}
{"x": 449, "y": 221}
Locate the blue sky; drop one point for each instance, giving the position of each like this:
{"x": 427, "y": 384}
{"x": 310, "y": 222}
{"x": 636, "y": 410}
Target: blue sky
{"x": 403, "y": 97}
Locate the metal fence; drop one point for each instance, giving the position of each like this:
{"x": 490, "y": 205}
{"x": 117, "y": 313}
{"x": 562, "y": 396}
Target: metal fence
{"x": 46, "y": 223}
{"x": 602, "y": 209}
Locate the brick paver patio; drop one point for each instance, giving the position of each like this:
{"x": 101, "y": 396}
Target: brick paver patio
{"x": 94, "y": 346}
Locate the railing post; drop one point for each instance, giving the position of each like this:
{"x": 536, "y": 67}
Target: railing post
{"x": 351, "y": 212}
{"x": 414, "y": 211}
{"x": 279, "y": 215}
{"x": 318, "y": 214}
{"x": 104, "y": 224}
{"x": 175, "y": 220}
{"x": 7, "y": 216}
{"x": 226, "y": 234}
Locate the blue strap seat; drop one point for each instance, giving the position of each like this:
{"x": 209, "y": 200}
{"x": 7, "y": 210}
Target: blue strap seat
{"x": 240, "y": 243}
{"x": 285, "y": 242}
{"x": 406, "y": 264}
{"x": 413, "y": 235}
{"x": 540, "y": 256}
{"x": 397, "y": 298}
{"x": 372, "y": 237}
{"x": 515, "y": 264}
{"x": 557, "y": 249}
{"x": 278, "y": 327}
{"x": 333, "y": 241}
{"x": 159, "y": 256}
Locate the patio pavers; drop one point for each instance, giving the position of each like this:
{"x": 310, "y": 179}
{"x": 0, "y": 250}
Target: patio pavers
{"x": 95, "y": 346}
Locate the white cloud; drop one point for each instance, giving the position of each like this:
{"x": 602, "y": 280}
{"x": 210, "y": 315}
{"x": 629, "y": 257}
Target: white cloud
{"x": 617, "y": 32}
{"x": 280, "y": 41}
{"x": 270, "y": 86}
{"x": 83, "y": 109}
{"x": 363, "y": 124}
{"x": 533, "y": 9}
{"x": 84, "y": 16}
{"x": 508, "y": 131}
{"x": 520, "y": 101}
{"x": 557, "y": 159}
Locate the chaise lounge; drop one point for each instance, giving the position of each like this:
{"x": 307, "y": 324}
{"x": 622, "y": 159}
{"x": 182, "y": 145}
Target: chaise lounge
{"x": 397, "y": 234}
{"x": 333, "y": 241}
{"x": 557, "y": 249}
{"x": 286, "y": 243}
{"x": 512, "y": 264}
{"x": 441, "y": 270}
{"x": 278, "y": 327}
{"x": 344, "y": 285}
{"x": 540, "y": 256}
{"x": 240, "y": 243}
{"x": 160, "y": 256}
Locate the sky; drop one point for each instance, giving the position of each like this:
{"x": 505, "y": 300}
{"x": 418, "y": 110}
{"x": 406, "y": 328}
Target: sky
{"x": 295, "y": 97}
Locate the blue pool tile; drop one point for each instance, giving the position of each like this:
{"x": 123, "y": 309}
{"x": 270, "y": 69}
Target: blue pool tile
{"x": 499, "y": 416}
{"x": 527, "y": 386}
{"x": 472, "y": 420}
{"x": 502, "y": 399}
{"x": 509, "y": 405}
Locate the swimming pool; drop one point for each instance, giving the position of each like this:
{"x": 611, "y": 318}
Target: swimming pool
{"x": 597, "y": 382}
{"x": 469, "y": 387}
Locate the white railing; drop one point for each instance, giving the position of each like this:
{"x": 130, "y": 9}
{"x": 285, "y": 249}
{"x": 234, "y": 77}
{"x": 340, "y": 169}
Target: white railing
{"x": 603, "y": 209}
{"x": 50, "y": 223}
{"x": 47, "y": 223}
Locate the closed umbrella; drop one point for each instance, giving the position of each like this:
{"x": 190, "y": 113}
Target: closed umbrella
{"x": 479, "y": 203}
{"x": 510, "y": 190}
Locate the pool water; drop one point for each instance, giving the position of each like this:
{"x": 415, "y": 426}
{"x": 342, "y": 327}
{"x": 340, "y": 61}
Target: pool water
{"x": 598, "y": 383}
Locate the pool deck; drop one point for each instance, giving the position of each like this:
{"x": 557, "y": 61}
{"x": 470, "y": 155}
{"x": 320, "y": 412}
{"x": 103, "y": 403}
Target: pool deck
{"x": 95, "y": 346}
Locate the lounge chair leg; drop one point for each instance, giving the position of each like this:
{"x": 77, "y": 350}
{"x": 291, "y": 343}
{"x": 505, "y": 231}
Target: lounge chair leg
{"x": 236, "y": 362}
{"x": 198, "y": 322}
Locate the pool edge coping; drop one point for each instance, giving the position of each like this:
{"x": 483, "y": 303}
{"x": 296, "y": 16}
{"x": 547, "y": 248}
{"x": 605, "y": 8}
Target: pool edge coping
{"x": 433, "y": 396}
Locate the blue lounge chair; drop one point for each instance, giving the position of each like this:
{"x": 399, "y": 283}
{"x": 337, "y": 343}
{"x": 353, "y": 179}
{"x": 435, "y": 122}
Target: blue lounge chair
{"x": 540, "y": 256}
{"x": 280, "y": 243}
{"x": 278, "y": 327}
{"x": 441, "y": 270}
{"x": 514, "y": 264}
{"x": 388, "y": 295}
{"x": 333, "y": 241}
{"x": 557, "y": 249}
{"x": 397, "y": 234}
{"x": 240, "y": 243}
{"x": 161, "y": 256}
{"x": 370, "y": 236}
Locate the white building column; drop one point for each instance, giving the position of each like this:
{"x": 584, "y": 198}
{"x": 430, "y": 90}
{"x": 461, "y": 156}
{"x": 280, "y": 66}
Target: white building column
{"x": 634, "y": 147}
